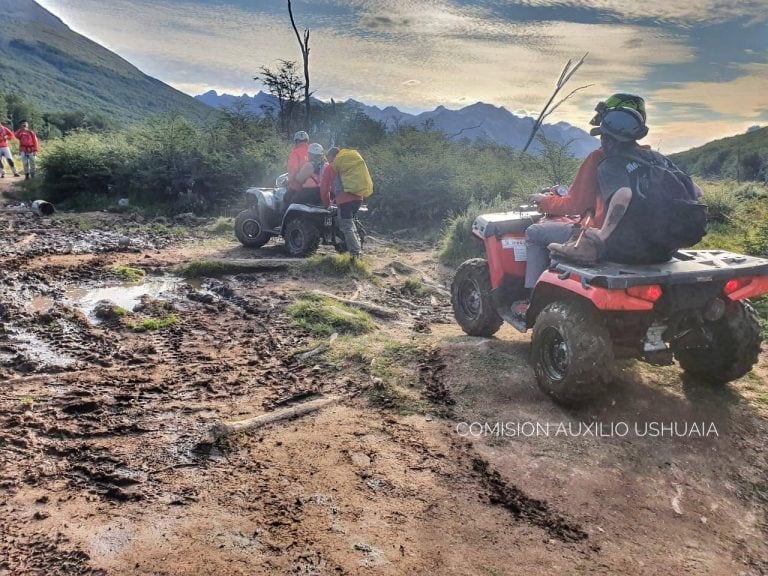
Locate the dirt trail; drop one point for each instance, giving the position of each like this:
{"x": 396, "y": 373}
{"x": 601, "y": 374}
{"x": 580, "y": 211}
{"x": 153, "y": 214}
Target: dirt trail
{"x": 107, "y": 465}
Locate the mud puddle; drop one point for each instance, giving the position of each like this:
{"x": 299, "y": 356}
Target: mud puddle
{"x": 126, "y": 294}
{"x": 32, "y": 346}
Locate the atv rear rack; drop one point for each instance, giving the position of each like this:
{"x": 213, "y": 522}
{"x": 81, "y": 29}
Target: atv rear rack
{"x": 686, "y": 267}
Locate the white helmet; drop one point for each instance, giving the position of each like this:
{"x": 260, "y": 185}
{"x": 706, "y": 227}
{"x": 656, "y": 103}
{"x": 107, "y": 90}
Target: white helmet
{"x": 301, "y": 136}
{"x": 316, "y": 149}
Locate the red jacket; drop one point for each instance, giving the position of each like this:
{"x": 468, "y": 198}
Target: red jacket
{"x": 27, "y": 141}
{"x": 5, "y": 136}
{"x": 299, "y": 156}
{"x": 583, "y": 195}
{"x": 328, "y": 187}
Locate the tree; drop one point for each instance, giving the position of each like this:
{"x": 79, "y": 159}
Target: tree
{"x": 568, "y": 71}
{"x": 559, "y": 163}
{"x": 285, "y": 85}
{"x": 304, "y": 46}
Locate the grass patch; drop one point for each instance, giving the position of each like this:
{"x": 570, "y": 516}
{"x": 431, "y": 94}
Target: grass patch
{"x": 339, "y": 265}
{"x": 416, "y": 287}
{"x": 325, "y": 316}
{"x": 129, "y": 274}
{"x": 154, "y": 323}
{"x": 392, "y": 363}
{"x": 215, "y": 268}
{"x": 222, "y": 226}
{"x": 198, "y": 268}
{"x": 761, "y": 306}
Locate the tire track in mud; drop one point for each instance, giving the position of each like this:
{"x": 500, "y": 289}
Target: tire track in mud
{"x": 497, "y": 489}
{"x": 464, "y": 465}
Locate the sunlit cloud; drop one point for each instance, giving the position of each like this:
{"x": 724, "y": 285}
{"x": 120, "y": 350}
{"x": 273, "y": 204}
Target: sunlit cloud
{"x": 417, "y": 54}
{"x": 748, "y": 93}
{"x": 680, "y": 11}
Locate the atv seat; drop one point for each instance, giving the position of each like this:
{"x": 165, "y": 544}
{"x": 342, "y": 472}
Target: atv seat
{"x": 489, "y": 225}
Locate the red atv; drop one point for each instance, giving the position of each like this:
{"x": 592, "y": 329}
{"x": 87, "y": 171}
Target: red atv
{"x": 693, "y": 308}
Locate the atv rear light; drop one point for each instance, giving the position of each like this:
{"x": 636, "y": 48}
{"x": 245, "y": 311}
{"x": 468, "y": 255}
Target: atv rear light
{"x": 650, "y": 293}
{"x": 735, "y": 283}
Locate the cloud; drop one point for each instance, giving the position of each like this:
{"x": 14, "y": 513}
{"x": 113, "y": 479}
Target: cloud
{"x": 415, "y": 54}
{"x": 744, "y": 96}
{"x": 684, "y": 12}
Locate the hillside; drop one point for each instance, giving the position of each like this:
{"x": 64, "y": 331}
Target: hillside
{"x": 48, "y": 64}
{"x": 477, "y": 121}
{"x": 744, "y": 156}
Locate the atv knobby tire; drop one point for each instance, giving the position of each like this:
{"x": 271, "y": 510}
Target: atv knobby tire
{"x": 471, "y": 299}
{"x": 571, "y": 352}
{"x": 249, "y": 230}
{"x": 302, "y": 237}
{"x": 734, "y": 347}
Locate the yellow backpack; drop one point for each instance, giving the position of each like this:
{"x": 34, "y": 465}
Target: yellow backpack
{"x": 352, "y": 170}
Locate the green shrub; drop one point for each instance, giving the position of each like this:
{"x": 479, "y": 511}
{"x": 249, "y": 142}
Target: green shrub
{"x": 458, "y": 243}
{"x": 168, "y": 164}
{"x": 722, "y": 201}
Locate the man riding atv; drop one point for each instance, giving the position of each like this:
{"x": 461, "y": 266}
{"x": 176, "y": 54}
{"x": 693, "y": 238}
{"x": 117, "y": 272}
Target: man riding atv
{"x": 655, "y": 303}
{"x": 298, "y": 214}
{"x": 582, "y": 199}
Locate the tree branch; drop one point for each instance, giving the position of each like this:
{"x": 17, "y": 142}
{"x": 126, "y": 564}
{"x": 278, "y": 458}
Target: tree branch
{"x": 565, "y": 75}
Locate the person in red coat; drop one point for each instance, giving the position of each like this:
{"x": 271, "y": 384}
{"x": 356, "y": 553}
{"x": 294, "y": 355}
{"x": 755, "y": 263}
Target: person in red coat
{"x": 28, "y": 148}
{"x": 5, "y": 151}
{"x": 583, "y": 199}
{"x": 299, "y": 156}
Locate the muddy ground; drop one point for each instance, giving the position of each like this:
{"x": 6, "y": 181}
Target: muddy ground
{"x": 108, "y": 465}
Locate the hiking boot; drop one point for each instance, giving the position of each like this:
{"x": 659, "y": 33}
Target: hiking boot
{"x": 26, "y": 176}
{"x": 2, "y": 175}
{"x": 16, "y": 174}
{"x": 588, "y": 250}
{"x": 519, "y": 311}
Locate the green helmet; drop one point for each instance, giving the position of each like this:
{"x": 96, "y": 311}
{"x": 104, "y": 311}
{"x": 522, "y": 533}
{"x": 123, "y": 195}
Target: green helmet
{"x": 618, "y": 101}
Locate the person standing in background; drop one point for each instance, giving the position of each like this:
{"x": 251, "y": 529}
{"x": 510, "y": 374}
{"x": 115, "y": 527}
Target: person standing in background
{"x": 28, "y": 148}
{"x": 5, "y": 151}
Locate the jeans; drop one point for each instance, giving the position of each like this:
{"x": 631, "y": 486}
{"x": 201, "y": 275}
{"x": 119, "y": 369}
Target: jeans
{"x": 28, "y": 161}
{"x": 537, "y": 238}
{"x": 347, "y": 226}
{"x": 5, "y": 152}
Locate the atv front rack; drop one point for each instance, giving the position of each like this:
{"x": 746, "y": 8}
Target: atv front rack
{"x": 686, "y": 267}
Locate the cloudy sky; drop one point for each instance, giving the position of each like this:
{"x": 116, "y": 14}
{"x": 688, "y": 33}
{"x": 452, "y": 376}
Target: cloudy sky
{"x": 702, "y": 65}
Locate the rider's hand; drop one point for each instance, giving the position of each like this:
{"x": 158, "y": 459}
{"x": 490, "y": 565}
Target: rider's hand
{"x": 536, "y": 198}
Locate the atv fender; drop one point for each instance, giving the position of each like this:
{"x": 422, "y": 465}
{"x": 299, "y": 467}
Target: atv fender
{"x": 304, "y": 210}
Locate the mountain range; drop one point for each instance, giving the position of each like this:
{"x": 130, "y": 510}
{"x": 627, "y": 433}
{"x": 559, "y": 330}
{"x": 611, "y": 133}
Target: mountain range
{"x": 477, "y": 121}
{"x": 46, "y": 63}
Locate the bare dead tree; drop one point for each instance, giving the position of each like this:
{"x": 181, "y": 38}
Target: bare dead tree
{"x": 304, "y": 46}
{"x": 568, "y": 71}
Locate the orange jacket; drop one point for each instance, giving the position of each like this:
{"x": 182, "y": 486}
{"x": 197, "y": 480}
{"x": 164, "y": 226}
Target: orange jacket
{"x": 299, "y": 156}
{"x": 5, "y": 136}
{"x": 583, "y": 195}
{"x": 27, "y": 141}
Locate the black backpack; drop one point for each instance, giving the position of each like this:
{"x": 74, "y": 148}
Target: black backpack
{"x": 673, "y": 218}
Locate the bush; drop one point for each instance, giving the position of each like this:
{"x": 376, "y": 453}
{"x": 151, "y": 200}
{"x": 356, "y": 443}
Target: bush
{"x": 458, "y": 243}
{"x": 721, "y": 199}
{"x": 168, "y": 164}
